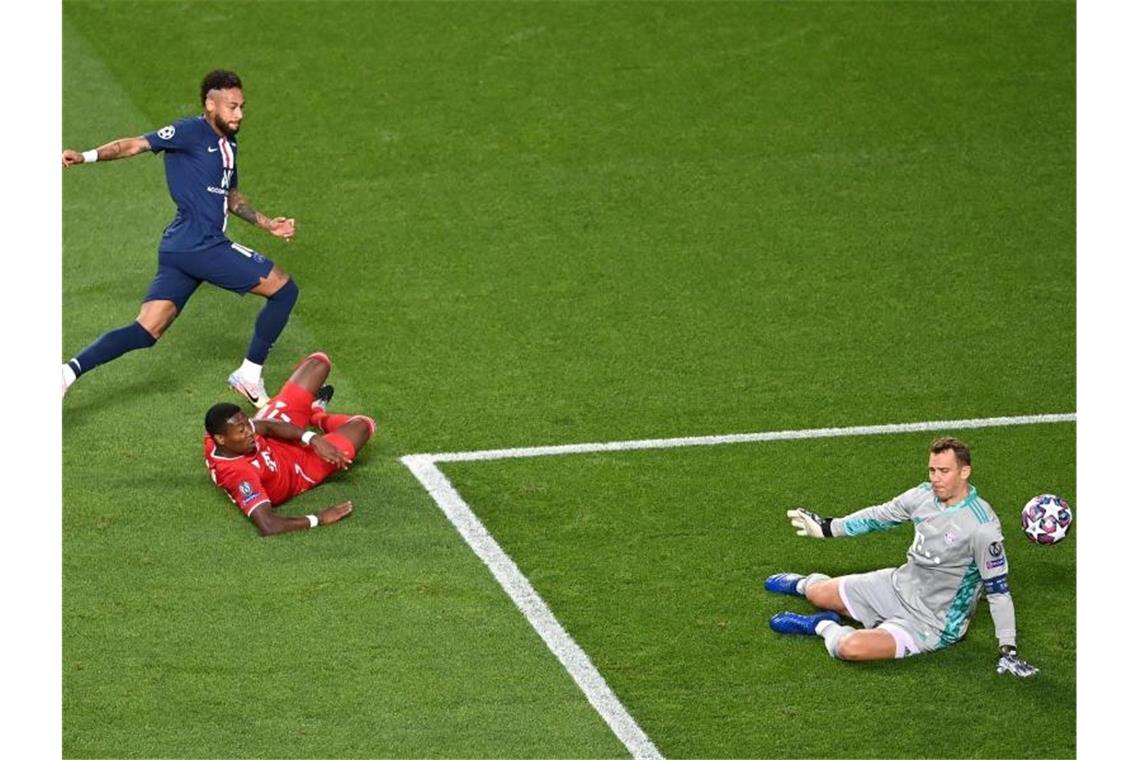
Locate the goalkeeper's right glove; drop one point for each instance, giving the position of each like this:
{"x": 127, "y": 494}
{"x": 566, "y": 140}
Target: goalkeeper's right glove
{"x": 810, "y": 524}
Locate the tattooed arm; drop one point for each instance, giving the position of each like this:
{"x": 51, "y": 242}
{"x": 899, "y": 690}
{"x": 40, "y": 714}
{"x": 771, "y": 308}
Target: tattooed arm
{"x": 122, "y": 148}
{"x": 280, "y": 226}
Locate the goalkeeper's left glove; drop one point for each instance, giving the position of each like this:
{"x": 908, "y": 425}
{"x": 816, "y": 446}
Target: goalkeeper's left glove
{"x": 1010, "y": 663}
{"x": 809, "y": 523}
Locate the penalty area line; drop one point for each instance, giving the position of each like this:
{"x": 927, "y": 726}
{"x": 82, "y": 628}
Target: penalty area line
{"x": 573, "y": 658}
{"x": 775, "y": 435}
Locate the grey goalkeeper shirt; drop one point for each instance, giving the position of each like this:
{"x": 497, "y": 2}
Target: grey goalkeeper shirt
{"x": 956, "y": 554}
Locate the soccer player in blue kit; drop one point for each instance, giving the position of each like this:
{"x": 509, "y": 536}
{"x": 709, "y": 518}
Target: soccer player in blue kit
{"x": 201, "y": 174}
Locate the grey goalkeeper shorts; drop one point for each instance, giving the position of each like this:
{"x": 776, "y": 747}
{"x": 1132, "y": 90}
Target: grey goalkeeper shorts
{"x": 871, "y": 599}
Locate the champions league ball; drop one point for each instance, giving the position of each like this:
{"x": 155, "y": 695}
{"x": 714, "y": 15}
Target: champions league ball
{"x": 1046, "y": 519}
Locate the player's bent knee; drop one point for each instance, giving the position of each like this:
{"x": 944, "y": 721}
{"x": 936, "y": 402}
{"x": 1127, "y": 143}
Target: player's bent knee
{"x": 156, "y": 316}
{"x": 848, "y": 648}
{"x": 314, "y": 364}
{"x": 288, "y": 291}
{"x": 824, "y": 595}
{"x": 277, "y": 285}
{"x": 368, "y": 422}
{"x": 866, "y": 645}
{"x": 155, "y": 331}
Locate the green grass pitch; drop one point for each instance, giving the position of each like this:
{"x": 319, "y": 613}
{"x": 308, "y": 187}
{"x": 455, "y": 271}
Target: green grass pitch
{"x": 542, "y": 223}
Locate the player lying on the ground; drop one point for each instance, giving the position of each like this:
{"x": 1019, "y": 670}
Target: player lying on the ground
{"x": 202, "y": 176}
{"x": 926, "y": 604}
{"x": 264, "y": 462}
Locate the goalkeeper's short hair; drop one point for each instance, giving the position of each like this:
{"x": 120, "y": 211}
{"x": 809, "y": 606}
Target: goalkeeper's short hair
{"x": 947, "y": 443}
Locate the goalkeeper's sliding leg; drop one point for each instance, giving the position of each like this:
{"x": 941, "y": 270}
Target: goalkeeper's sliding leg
{"x": 841, "y": 641}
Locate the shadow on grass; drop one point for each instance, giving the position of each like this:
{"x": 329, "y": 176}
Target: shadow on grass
{"x": 83, "y": 405}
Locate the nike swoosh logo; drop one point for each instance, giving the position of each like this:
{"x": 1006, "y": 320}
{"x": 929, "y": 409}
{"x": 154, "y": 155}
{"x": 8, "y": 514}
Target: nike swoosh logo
{"x": 212, "y": 150}
{"x": 241, "y": 391}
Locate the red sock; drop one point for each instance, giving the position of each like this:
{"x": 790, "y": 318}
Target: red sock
{"x": 329, "y": 422}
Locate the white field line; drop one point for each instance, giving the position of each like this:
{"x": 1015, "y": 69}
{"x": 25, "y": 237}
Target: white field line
{"x": 536, "y": 611}
{"x": 779, "y": 435}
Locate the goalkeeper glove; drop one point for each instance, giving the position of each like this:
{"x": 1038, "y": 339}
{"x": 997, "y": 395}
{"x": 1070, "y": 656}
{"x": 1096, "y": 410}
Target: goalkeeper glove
{"x": 1010, "y": 663}
{"x": 809, "y": 523}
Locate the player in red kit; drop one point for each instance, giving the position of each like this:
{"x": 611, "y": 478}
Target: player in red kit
{"x": 263, "y": 462}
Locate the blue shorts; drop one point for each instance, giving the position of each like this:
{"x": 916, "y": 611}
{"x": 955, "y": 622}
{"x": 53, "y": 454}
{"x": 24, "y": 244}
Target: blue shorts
{"x": 227, "y": 265}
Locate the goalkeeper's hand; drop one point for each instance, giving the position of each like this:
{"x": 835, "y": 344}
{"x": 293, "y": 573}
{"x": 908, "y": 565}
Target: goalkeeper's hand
{"x": 809, "y": 523}
{"x": 1009, "y": 662}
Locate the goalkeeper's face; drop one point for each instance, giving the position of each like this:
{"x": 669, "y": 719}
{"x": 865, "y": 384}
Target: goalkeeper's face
{"x": 949, "y": 479}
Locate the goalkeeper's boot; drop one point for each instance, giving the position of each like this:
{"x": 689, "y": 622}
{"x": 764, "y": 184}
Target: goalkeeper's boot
{"x": 252, "y": 392}
{"x": 322, "y": 399}
{"x": 783, "y": 583}
{"x": 802, "y": 625}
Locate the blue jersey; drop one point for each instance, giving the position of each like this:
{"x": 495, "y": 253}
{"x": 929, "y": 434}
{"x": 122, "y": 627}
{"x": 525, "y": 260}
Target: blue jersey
{"x": 201, "y": 169}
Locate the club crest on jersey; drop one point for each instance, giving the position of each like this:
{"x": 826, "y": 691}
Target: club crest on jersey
{"x": 166, "y": 132}
{"x": 950, "y": 537}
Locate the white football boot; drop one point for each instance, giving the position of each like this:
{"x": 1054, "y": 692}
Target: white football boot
{"x": 254, "y": 392}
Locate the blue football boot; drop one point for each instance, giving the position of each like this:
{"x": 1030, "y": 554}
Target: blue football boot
{"x": 783, "y": 583}
{"x": 803, "y": 625}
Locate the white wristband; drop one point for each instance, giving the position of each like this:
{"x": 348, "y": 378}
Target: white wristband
{"x": 91, "y": 156}
{"x": 307, "y": 437}
{"x": 313, "y": 521}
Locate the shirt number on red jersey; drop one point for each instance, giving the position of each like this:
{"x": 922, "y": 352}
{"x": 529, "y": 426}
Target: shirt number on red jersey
{"x": 273, "y": 412}
{"x": 269, "y": 462}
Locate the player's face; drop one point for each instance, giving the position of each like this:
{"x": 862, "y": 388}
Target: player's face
{"x": 950, "y": 481}
{"x": 238, "y": 437}
{"x": 226, "y": 109}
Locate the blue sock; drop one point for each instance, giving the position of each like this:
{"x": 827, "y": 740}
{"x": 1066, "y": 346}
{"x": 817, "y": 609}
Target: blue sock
{"x": 112, "y": 345}
{"x": 271, "y": 321}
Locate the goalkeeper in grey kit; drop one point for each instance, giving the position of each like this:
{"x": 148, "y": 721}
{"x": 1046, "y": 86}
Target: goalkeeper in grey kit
{"x": 926, "y": 604}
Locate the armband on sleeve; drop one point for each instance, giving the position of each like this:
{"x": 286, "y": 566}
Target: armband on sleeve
{"x": 997, "y": 585}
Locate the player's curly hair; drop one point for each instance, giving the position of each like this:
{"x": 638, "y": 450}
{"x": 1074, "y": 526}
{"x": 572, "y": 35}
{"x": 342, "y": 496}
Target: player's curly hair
{"x": 219, "y": 79}
{"x": 961, "y": 450}
{"x": 218, "y": 415}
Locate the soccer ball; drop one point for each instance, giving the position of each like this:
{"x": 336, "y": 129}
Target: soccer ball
{"x": 1046, "y": 519}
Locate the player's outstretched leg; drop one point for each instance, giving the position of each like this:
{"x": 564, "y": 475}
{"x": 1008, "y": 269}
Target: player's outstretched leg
{"x": 823, "y": 592}
{"x": 153, "y": 319}
{"x": 281, "y": 295}
{"x": 845, "y": 643}
{"x": 794, "y": 584}
{"x": 784, "y": 583}
{"x": 801, "y": 625}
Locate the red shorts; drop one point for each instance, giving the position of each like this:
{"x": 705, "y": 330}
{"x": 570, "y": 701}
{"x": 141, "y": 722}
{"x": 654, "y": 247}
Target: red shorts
{"x": 294, "y": 404}
{"x": 312, "y": 470}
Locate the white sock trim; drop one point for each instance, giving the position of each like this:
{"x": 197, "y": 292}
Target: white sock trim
{"x": 832, "y": 634}
{"x": 249, "y": 371}
{"x": 810, "y": 580}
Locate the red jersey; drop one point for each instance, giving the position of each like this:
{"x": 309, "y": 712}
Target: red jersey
{"x": 275, "y": 472}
